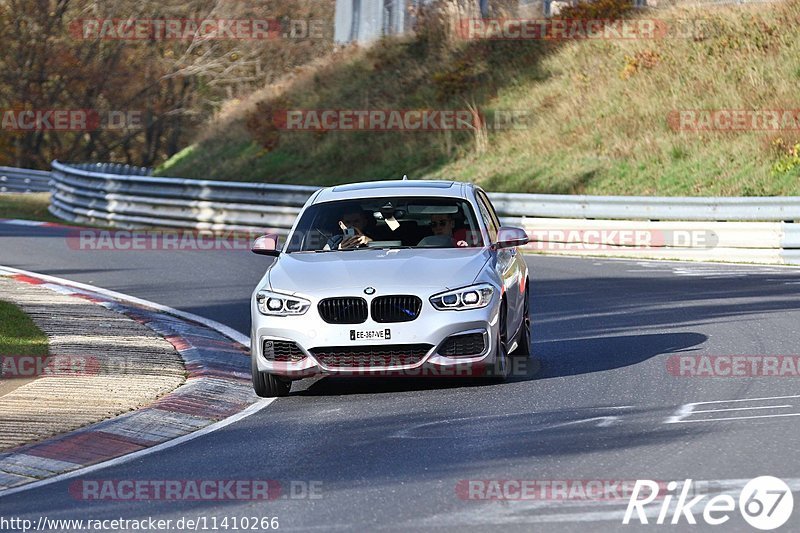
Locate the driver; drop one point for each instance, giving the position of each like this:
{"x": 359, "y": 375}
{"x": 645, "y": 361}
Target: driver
{"x": 359, "y": 221}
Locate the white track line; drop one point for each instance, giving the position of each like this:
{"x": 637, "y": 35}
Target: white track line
{"x": 734, "y": 418}
{"x": 686, "y": 262}
{"x": 743, "y": 409}
{"x": 212, "y": 324}
{"x": 747, "y": 400}
{"x": 256, "y": 407}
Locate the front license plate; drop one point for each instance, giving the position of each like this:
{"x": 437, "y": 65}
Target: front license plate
{"x": 367, "y": 334}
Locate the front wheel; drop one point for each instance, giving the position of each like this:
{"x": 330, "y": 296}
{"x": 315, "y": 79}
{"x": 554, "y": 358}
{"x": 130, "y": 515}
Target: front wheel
{"x": 268, "y": 385}
{"x": 499, "y": 371}
{"x": 523, "y": 348}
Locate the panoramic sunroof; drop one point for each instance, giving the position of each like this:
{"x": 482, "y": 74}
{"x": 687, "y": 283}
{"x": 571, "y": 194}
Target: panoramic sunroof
{"x": 392, "y": 184}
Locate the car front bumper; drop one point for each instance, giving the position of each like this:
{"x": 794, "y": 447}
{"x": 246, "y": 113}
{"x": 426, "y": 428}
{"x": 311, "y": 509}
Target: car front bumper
{"x": 432, "y": 327}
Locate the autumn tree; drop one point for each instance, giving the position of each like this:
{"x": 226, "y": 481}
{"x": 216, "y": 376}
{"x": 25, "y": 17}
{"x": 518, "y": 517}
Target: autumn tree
{"x": 55, "y": 59}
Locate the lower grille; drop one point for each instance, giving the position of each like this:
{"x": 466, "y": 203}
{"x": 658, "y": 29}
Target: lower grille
{"x": 465, "y": 344}
{"x": 282, "y": 351}
{"x": 343, "y": 310}
{"x": 371, "y": 356}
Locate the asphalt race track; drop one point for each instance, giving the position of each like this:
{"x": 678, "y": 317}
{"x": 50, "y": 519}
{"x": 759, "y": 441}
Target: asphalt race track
{"x": 599, "y": 404}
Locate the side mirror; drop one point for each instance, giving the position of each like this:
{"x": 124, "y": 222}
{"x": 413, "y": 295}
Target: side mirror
{"x": 266, "y": 245}
{"x": 508, "y": 237}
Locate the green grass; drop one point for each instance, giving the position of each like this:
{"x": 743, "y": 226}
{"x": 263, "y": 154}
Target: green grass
{"x": 599, "y": 112}
{"x": 26, "y": 206}
{"x": 33, "y": 206}
{"x": 19, "y": 336}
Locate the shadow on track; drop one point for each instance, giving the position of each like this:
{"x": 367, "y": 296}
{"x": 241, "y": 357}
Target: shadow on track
{"x": 597, "y": 354}
{"x": 566, "y": 308}
{"x": 551, "y": 359}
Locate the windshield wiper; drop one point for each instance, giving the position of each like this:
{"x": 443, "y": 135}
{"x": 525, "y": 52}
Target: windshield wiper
{"x": 351, "y": 249}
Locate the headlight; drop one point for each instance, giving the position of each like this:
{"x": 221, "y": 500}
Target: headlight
{"x": 473, "y": 297}
{"x": 275, "y": 304}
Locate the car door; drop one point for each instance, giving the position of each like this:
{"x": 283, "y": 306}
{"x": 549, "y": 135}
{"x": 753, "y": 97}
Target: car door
{"x": 508, "y": 266}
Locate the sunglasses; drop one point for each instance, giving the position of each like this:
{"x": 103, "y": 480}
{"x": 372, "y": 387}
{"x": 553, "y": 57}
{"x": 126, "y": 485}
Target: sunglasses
{"x": 439, "y": 223}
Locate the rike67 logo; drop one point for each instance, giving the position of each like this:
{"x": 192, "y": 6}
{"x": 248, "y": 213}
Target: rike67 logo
{"x": 765, "y": 503}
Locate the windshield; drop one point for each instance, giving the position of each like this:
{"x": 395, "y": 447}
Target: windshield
{"x": 388, "y": 222}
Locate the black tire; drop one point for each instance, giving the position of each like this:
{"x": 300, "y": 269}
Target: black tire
{"x": 268, "y": 385}
{"x": 498, "y": 372}
{"x": 523, "y": 348}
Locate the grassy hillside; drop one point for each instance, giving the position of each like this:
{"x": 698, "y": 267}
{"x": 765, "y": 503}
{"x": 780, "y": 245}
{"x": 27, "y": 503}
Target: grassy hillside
{"x": 599, "y": 111}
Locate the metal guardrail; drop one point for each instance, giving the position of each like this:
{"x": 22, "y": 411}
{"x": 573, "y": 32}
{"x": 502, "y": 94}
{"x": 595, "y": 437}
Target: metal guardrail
{"x": 768, "y": 209}
{"x": 762, "y": 208}
{"x": 23, "y": 180}
{"x": 118, "y": 169}
{"x": 131, "y": 197}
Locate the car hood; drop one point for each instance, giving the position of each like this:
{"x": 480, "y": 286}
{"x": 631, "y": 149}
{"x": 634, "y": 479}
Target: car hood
{"x": 438, "y": 268}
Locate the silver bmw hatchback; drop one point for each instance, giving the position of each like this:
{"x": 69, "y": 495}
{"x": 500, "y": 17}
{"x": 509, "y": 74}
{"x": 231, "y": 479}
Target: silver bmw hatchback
{"x": 391, "y": 278}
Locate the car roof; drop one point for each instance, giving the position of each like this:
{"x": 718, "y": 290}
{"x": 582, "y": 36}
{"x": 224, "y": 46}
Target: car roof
{"x": 373, "y": 189}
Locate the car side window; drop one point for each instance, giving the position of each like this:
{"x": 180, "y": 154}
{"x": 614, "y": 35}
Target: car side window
{"x": 489, "y": 218}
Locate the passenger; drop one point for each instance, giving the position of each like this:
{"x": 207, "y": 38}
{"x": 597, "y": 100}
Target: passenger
{"x": 444, "y": 225}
